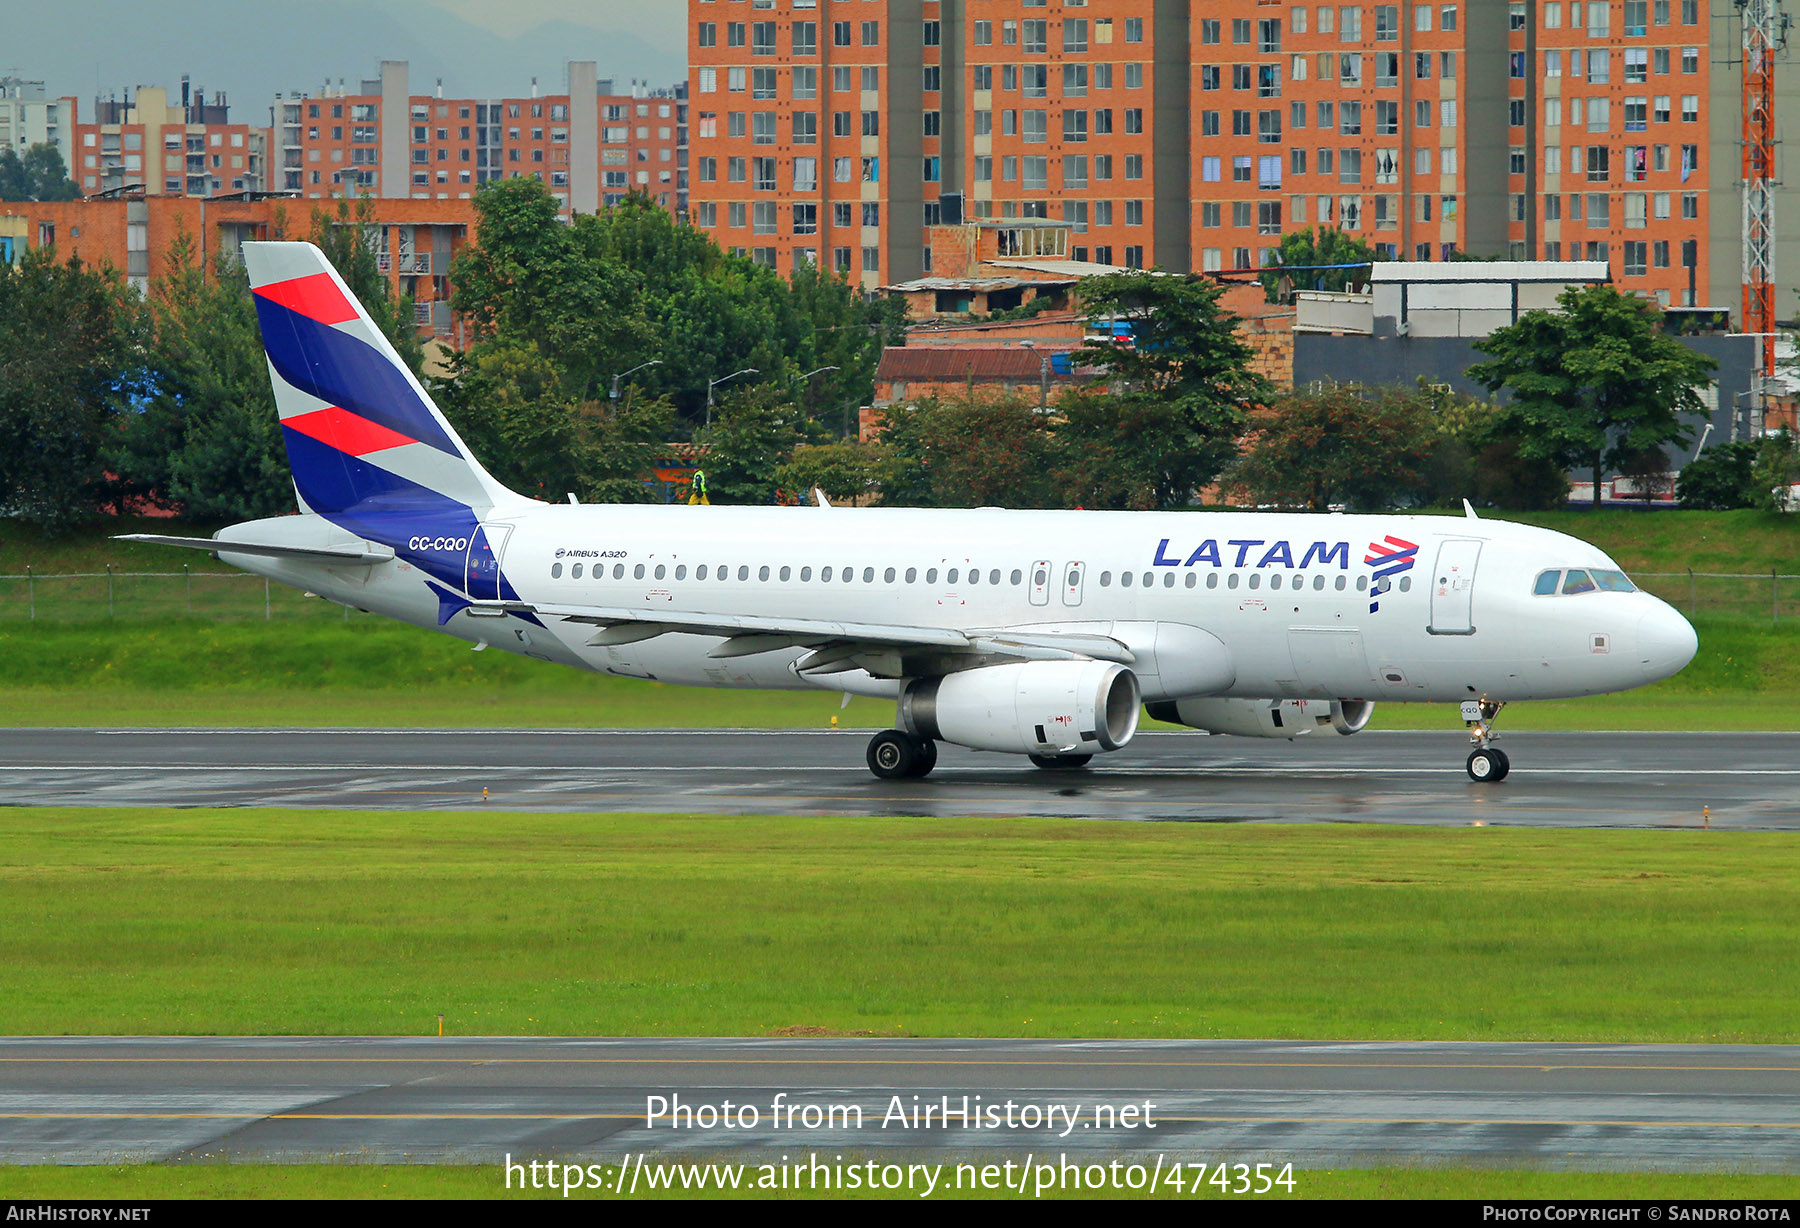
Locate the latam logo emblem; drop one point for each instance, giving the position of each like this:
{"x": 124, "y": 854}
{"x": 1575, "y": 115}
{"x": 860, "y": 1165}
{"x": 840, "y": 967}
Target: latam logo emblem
{"x": 1389, "y": 558}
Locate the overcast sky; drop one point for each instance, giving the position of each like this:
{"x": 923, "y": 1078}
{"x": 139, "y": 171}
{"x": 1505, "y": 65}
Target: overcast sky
{"x": 255, "y": 49}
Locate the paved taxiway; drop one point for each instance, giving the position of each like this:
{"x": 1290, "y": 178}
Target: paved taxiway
{"x": 79, "y": 1100}
{"x": 1746, "y": 780}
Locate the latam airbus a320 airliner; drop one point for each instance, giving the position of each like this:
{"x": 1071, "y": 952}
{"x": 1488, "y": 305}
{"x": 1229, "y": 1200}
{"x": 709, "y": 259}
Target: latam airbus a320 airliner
{"x": 1030, "y": 633}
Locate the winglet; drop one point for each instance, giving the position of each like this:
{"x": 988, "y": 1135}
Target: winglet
{"x": 1469, "y": 511}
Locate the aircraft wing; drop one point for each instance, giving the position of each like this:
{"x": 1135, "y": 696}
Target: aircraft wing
{"x": 836, "y": 645}
{"x": 365, "y": 554}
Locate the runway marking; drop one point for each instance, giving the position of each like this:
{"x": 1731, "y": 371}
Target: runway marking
{"x": 1120, "y": 775}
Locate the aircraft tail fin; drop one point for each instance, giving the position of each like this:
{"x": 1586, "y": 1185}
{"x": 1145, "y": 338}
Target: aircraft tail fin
{"x": 361, "y": 432}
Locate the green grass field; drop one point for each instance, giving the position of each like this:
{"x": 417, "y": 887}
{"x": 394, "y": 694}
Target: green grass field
{"x": 356, "y": 1181}
{"x": 372, "y": 672}
{"x": 309, "y": 665}
{"x": 373, "y": 923}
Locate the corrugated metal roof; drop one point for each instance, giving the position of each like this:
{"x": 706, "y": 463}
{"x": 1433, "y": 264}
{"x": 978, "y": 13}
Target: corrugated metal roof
{"x": 944, "y": 363}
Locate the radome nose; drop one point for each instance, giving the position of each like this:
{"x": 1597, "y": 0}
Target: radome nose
{"x": 1666, "y": 643}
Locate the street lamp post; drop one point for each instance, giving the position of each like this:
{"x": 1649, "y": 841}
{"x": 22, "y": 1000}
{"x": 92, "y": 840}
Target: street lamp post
{"x": 1043, "y": 375}
{"x": 804, "y": 378}
{"x": 614, "y": 394}
{"x": 711, "y": 384}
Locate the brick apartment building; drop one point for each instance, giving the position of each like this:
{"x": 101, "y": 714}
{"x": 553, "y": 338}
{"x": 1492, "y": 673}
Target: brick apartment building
{"x": 182, "y": 147}
{"x": 1192, "y": 135}
{"x": 414, "y": 240}
{"x": 590, "y": 145}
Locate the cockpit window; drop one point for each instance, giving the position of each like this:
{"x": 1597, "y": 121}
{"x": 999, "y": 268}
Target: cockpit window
{"x": 1578, "y": 582}
{"x": 1614, "y": 582}
{"x": 1546, "y": 584}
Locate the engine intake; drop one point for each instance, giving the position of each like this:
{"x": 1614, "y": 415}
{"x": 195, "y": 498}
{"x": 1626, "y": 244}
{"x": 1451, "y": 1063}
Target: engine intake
{"x": 1267, "y": 718}
{"x": 1029, "y": 708}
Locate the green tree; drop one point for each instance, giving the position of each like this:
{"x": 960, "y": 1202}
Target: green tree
{"x": 969, "y": 451}
{"x": 70, "y": 362}
{"x": 1468, "y": 460}
{"x": 39, "y": 175}
{"x": 526, "y": 280}
{"x": 207, "y": 435}
{"x": 507, "y": 402}
{"x": 1305, "y": 250}
{"x": 1593, "y": 382}
{"x": 752, "y": 436}
{"x": 631, "y": 284}
{"x": 845, "y": 470}
{"x": 1776, "y": 472}
{"x": 1365, "y": 447}
{"x": 1113, "y": 452}
{"x": 1184, "y": 357}
{"x": 347, "y": 236}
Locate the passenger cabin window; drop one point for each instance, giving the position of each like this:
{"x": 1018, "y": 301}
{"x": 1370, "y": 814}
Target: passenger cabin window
{"x": 575, "y": 572}
{"x": 556, "y": 571}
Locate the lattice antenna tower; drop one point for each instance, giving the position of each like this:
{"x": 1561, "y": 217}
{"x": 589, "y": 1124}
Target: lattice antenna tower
{"x": 1765, "y": 28}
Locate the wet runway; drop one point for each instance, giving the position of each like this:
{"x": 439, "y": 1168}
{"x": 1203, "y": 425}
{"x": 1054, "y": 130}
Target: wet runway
{"x": 79, "y": 1100}
{"x": 1739, "y": 781}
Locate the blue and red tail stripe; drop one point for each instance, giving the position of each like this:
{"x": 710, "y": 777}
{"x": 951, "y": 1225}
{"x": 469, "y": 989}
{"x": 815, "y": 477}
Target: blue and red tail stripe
{"x": 346, "y": 372}
{"x": 368, "y": 449}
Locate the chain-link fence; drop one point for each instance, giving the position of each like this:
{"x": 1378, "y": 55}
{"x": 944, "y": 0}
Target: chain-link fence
{"x": 93, "y": 596}
{"x": 163, "y": 595}
{"x": 1772, "y": 595}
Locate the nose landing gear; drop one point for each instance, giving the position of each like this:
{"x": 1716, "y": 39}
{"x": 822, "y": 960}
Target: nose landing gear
{"x": 1487, "y": 763}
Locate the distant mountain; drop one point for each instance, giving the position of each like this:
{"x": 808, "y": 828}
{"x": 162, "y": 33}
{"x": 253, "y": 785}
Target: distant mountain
{"x": 255, "y": 49}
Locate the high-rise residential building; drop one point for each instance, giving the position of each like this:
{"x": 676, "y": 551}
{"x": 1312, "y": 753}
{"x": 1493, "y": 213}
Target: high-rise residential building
{"x": 1373, "y": 118}
{"x": 1608, "y": 152}
{"x": 184, "y": 147}
{"x": 1193, "y": 135}
{"x": 808, "y": 135}
{"x": 1076, "y": 113}
{"x": 29, "y": 117}
{"x": 588, "y": 144}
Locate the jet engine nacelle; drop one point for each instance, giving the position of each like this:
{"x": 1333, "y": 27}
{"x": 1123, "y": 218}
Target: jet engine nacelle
{"x": 1031, "y": 708}
{"x": 1267, "y": 718}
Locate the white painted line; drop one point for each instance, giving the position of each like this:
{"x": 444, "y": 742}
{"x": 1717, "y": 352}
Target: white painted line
{"x": 1119, "y": 774}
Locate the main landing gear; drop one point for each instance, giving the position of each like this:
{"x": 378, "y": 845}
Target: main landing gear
{"x": 894, "y": 754}
{"x": 1487, "y": 762}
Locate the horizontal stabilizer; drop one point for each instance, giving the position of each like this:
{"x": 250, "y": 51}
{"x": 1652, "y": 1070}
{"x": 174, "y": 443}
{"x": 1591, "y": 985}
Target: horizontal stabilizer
{"x": 364, "y": 554}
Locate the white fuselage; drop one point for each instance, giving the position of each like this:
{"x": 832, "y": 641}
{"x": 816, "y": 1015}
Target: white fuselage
{"x": 1288, "y": 596}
